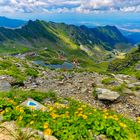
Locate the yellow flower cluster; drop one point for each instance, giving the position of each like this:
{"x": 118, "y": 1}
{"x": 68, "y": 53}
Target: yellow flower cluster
{"x": 123, "y": 125}
{"x": 47, "y": 130}
{"x": 20, "y": 109}
{"x": 57, "y": 106}
{"x": 31, "y": 122}
{"x": 20, "y": 118}
{"x": 79, "y": 113}
{"x": 12, "y": 102}
{"x": 107, "y": 116}
{"x": 114, "y": 117}
{"x": 46, "y": 125}
{"x": 53, "y": 115}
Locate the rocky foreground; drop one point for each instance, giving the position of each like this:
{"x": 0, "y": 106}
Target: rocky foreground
{"x": 79, "y": 96}
{"x": 120, "y": 93}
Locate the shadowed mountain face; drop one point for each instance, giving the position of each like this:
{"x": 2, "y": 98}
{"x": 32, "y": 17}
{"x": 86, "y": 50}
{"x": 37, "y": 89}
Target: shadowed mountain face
{"x": 106, "y": 37}
{"x": 11, "y": 23}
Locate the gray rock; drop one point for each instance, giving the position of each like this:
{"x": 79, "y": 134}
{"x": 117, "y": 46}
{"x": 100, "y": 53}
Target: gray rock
{"x": 84, "y": 90}
{"x": 132, "y": 85}
{"x": 7, "y": 78}
{"x": 137, "y": 67}
{"x": 106, "y": 94}
{"x": 4, "y": 86}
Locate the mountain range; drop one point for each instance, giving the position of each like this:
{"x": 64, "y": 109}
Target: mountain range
{"x": 53, "y": 41}
{"x": 11, "y": 23}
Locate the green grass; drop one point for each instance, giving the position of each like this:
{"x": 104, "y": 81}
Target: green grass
{"x": 72, "y": 121}
{"x": 8, "y": 66}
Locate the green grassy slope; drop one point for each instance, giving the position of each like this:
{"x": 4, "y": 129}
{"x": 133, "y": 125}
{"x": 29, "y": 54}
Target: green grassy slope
{"x": 128, "y": 64}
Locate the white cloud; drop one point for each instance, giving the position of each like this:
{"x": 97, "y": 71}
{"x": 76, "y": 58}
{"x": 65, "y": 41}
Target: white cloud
{"x": 79, "y": 6}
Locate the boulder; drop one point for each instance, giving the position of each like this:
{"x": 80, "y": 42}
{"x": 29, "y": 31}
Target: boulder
{"x": 4, "y": 86}
{"x": 33, "y": 105}
{"x": 106, "y": 94}
{"x": 7, "y": 78}
{"x": 137, "y": 67}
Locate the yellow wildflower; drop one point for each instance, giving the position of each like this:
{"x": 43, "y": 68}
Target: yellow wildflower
{"x": 32, "y": 108}
{"x": 84, "y": 117}
{"x": 80, "y": 109}
{"x": 17, "y": 107}
{"x": 122, "y": 125}
{"x": 94, "y": 109}
{"x": 34, "y": 115}
{"x": 20, "y": 118}
{"x": 138, "y": 119}
{"x": 83, "y": 106}
{"x": 31, "y": 122}
{"x": 6, "y": 110}
{"x": 2, "y": 112}
{"x": 89, "y": 113}
{"x": 67, "y": 114}
{"x": 54, "y": 115}
{"x": 21, "y": 110}
{"x": 51, "y": 108}
{"x": 46, "y": 125}
{"x": 48, "y": 132}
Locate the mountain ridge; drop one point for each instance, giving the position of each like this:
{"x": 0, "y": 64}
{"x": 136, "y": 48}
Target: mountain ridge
{"x": 110, "y": 35}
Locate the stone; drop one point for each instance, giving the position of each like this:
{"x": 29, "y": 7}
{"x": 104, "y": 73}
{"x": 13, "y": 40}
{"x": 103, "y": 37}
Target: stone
{"x": 50, "y": 138}
{"x": 137, "y": 67}
{"x": 133, "y": 85}
{"x": 34, "y": 105}
{"x": 106, "y": 94}
{"x": 84, "y": 90}
{"x": 136, "y": 93}
{"x": 4, "y": 86}
{"x": 101, "y": 137}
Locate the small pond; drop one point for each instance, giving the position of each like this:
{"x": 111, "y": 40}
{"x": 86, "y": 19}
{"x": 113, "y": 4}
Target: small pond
{"x": 65, "y": 65}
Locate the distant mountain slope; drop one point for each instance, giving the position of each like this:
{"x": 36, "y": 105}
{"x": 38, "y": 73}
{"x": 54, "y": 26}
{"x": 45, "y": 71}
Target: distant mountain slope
{"x": 11, "y": 23}
{"x": 106, "y": 37}
{"x": 135, "y": 37}
{"x": 132, "y": 35}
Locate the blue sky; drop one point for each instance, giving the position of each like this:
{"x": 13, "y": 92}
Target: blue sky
{"x": 90, "y": 12}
